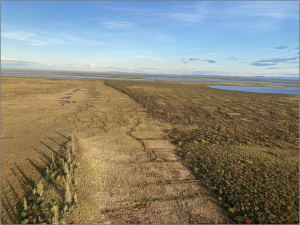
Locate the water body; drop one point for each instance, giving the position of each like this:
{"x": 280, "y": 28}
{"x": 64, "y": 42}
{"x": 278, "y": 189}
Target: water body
{"x": 284, "y": 91}
{"x": 151, "y": 79}
{"x": 226, "y": 81}
{"x": 248, "y": 77}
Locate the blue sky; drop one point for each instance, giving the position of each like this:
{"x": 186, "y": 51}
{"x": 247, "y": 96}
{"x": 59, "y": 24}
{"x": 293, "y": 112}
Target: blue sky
{"x": 163, "y": 37}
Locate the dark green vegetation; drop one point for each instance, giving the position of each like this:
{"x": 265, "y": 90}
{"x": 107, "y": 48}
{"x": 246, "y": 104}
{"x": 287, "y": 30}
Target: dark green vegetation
{"x": 244, "y": 146}
{"x": 44, "y": 205}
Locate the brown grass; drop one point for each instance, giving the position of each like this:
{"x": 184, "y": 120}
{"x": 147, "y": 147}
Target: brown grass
{"x": 243, "y": 145}
{"x": 127, "y": 172}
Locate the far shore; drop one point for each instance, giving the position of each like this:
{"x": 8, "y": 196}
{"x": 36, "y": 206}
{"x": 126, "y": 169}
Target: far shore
{"x": 142, "y": 76}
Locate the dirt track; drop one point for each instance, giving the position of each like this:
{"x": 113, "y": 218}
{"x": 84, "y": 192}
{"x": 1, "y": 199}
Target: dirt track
{"x": 128, "y": 173}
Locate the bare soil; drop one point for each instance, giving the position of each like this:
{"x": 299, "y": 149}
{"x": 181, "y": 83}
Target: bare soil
{"x": 128, "y": 172}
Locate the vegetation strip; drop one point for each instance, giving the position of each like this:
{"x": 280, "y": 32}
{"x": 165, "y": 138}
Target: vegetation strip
{"x": 245, "y": 147}
{"x": 43, "y": 206}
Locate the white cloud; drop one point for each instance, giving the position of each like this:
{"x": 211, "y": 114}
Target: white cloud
{"x": 267, "y": 9}
{"x": 18, "y": 35}
{"x": 6, "y": 59}
{"x": 37, "y": 43}
{"x": 19, "y": 64}
{"x": 92, "y": 65}
{"x": 47, "y": 38}
{"x": 119, "y": 25}
{"x": 148, "y": 68}
{"x": 192, "y": 13}
{"x": 187, "y": 17}
{"x": 29, "y": 38}
{"x": 72, "y": 39}
{"x": 262, "y": 13}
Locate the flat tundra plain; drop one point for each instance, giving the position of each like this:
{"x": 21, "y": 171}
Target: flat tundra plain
{"x": 129, "y": 172}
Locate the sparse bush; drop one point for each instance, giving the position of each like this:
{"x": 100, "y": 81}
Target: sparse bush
{"x": 58, "y": 178}
{"x": 75, "y": 198}
{"x": 68, "y": 177}
{"x": 25, "y": 205}
{"x": 71, "y": 167}
{"x": 34, "y": 191}
{"x": 52, "y": 159}
{"x": 48, "y": 173}
{"x": 54, "y": 210}
{"x": 55, "y": 220}
{"x": 35, "y": 211}
{"x": 26, "y": 221}
{"x": 69, "y": 157}
{"x": 40, "y": 189}
{"x": 66, "y": 208}
{"x": 68, "y": 196}
{"x": 66, "y": 168}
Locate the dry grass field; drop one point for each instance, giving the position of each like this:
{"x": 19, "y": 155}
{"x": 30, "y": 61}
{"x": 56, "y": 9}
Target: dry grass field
{"x": 244, "y": 146}
{"x": 34, "y": 126}
{"x": 126, "y": 172}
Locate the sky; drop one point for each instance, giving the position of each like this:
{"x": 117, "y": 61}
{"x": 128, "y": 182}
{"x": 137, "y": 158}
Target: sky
{"x": 247, "y": 38}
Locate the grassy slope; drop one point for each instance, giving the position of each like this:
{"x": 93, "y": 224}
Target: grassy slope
{"x": 244, "y": 146}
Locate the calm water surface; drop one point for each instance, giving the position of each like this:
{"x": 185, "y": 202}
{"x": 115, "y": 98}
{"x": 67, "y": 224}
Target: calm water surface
{"x": 285, "y": 91}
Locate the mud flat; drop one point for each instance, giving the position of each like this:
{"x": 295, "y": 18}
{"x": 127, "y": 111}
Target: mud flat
{"x": 129, "y": 172}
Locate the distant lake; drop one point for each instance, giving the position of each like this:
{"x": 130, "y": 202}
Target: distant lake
{"x": 224, "y": 81}
{"x": 284, "y": 91}
{"x": 154, "y": 79}
{"x": 248, "y": 77}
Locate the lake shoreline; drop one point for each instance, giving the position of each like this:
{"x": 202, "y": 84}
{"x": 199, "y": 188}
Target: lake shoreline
{"x": 264, "y": 87}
